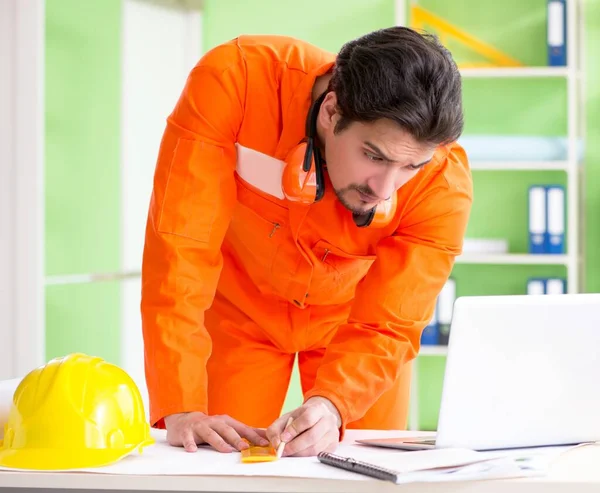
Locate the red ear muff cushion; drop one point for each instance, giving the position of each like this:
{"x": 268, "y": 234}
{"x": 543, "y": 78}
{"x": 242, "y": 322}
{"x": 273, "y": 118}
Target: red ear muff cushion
{"x": 297, "y": 184}
{"x": 380, "y": 217}
{"x": 384, "y": 212}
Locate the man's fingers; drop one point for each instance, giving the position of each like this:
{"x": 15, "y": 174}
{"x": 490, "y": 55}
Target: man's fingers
{"x": 261, "y": 432}
{"x": 273, "y": 432}
{"x": 214, "y": 439}
{"x": 307, "y": 439}
{"x": 304, "y": 421}
{"x": 223, "y": 433}
{"x": 188, "y": 440}
{"x": 253, "y": 435}
{"x": 328, "y": 443}
{"x": 230, "y": 435}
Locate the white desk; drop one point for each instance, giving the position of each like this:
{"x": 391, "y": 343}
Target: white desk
{"x": 577, "y": 470}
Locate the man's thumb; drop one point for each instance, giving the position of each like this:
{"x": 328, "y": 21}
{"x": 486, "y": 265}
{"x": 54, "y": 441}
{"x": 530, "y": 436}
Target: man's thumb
{"x": 288, "y": 430}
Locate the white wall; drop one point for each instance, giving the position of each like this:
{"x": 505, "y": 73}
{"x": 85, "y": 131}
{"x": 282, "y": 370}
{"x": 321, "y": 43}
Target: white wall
{"x": 160, "y": 46}
{"x": 22, "y": 340}
{"x": 7, "y": 13}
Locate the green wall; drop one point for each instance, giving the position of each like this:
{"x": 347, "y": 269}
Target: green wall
{"x": 592, "y": 155}
{"x": 82, "y": 189}
{"x": 83, "y": 92}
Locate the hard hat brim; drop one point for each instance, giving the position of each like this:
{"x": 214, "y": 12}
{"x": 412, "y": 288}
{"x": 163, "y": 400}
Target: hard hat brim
{"x": 62, "y": 459}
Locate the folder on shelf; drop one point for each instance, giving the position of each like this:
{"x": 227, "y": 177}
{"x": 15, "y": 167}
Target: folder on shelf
{"x": 445, "y": 307}
{"x": 557, "y": 33}
{"x": 430, "y": 334}
{"x": 537, "y": 219}
{"x": 536, "y": 286}
{"x": 555, "y": 231}
{"x": 556, "y": 286}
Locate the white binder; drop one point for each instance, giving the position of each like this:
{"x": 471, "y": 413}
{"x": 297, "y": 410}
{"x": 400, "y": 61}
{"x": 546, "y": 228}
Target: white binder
{"x": 537, "y": 219}
{"x": 555, "y": 238}
{"x": 555, "y": 286}
{"x": 536, "y": 287}
{"x": 445, "y": 308}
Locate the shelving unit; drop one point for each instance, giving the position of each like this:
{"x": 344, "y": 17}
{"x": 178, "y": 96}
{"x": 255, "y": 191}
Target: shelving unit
{"x": 571, "y": 166}
{"x": 514, "y": 259}
{"x": 516, "y": 72}
{"x": 520, "y": 165}
{"x": 434, "y": 350}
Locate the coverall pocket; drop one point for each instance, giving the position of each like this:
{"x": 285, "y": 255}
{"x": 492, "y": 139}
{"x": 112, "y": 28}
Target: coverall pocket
{"x": 326, "y": 251}
{"x": 338, "y": 272}
{"x": 256, "y": 230}
{"x": 263, "y": 218}
{"x": 191, "y": 202}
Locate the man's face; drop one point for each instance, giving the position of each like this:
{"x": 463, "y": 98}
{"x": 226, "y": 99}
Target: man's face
{"x": 368, "y": 162}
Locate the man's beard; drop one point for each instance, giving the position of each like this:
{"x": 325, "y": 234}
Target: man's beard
{"x": 342, "y": 193}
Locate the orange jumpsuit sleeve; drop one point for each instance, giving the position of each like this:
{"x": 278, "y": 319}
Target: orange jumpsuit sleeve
{"x": 396, "y": 299}
{"x": 190, "y": 209}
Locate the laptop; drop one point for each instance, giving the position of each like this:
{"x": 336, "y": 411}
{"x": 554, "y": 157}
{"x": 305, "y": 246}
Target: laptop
{"x": 521, "y": 371}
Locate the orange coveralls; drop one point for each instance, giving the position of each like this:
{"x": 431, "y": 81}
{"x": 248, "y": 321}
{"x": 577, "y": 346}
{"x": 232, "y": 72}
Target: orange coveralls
{"x": 237, "y": 280}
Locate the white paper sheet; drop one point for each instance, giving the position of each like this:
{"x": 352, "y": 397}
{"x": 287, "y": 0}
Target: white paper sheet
{"x": 7, "y": 390}
{"x": 512, "y": 463}
{"x": 166, "y": 460}
{"x": 163, "y": 459}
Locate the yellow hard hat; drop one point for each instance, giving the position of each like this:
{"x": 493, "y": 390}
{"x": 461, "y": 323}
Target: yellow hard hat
{"x": 75, "y": 412}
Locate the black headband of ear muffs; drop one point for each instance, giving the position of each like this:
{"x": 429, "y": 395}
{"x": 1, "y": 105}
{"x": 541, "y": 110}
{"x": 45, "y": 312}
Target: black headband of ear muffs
{"x": 312, "y": 148}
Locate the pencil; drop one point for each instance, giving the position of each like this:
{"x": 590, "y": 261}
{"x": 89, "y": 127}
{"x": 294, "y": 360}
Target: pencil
{"x": 281, "y": 445}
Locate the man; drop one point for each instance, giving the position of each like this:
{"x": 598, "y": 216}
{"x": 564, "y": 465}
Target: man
{"x": 304, "y": 204}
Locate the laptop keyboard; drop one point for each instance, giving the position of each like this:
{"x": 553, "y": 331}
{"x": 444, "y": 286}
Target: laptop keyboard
{"x": 424, "y": 442}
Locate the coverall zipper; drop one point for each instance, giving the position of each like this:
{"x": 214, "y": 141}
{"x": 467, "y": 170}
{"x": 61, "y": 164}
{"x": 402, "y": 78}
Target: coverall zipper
{"x": 275, "y": 226}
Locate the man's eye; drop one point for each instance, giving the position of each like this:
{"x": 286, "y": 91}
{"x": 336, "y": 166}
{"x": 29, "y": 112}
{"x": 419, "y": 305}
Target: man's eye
{"x": 372, "y": 157}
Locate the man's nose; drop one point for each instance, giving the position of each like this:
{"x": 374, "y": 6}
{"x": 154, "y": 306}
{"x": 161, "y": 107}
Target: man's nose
{"x": 385, "y": 184}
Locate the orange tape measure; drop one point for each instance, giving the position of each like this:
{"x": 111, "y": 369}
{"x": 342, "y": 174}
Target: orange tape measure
{"x": 254, "y": 453}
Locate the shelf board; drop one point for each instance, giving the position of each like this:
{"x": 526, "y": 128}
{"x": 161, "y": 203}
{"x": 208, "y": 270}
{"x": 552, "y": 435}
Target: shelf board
{"x": 512, "y": 258}
{"x": 492, "y": 72}
{"x": 520, "y": 165}
{"x": 431, "y": 350}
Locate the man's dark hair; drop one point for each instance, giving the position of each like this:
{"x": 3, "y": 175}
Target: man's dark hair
{"x": 404, "y": 76}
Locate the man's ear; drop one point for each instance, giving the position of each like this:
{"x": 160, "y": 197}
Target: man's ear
{"x": 328, "y": 114}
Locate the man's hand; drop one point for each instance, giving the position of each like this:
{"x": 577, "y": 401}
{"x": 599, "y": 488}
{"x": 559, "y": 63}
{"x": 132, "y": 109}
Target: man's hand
{"x": 315, "y": 428}
{"x": 223, "y": 433}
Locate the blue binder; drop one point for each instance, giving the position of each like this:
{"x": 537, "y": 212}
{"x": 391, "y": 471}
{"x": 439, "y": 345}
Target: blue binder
{"x": 555, "y": 221}
{"x": 430, "y": 335}
{"x": 557, "y": 33}
{"x": 537, "y": 219}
